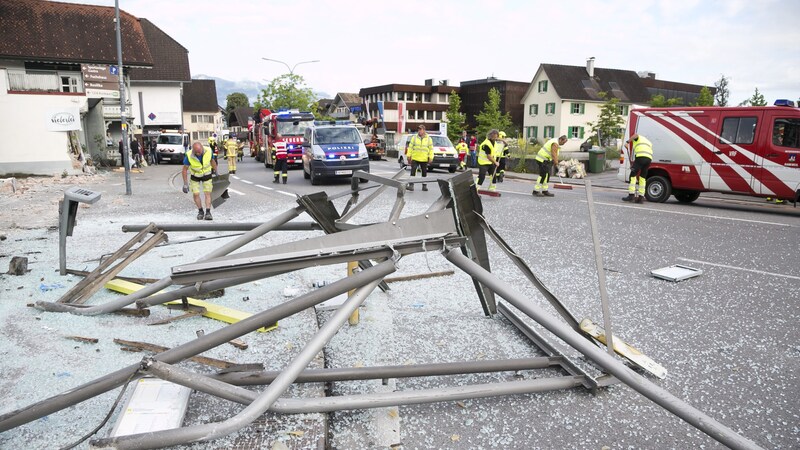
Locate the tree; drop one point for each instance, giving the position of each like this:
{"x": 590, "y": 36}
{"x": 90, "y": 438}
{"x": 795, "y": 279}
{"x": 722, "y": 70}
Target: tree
{"x": 658, "y": 101}
{"x": 235, "y": 100}
{"x": 723, "y": 93}
{"x": 705, "y": 98}
{"x": 288, "y": 91}
{"x": 490, "y": 117}
{"x": 456, "y": 120}
{"x": 609, "y": 124}
{"x": 757, "y": 99}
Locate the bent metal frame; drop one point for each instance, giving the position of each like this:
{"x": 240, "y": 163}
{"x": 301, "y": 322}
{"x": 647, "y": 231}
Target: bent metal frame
{"x": 452, "y": 225}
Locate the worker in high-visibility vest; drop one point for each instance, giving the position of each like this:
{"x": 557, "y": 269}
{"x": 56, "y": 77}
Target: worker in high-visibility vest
{"x": 641, "y": 151}
{"x": 487, "y": 163}
{"x": 201, "y": 165}
{"x": 501, "y": 153}
{"x": 231, "y": 151}
{"x": 462, "y": 149}
{"x": 280, "y": 162}
{"x": 547, "y": 157}
{"x": 420, "y": 151}
{"x": 212, "y": 143}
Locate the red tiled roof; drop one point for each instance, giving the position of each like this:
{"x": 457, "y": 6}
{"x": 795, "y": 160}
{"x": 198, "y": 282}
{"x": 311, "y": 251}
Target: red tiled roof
{"x": 170, "y": 58}
{"x": 67, "y": 32}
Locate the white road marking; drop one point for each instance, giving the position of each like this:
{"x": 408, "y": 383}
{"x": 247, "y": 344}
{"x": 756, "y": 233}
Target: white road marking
{"x": 235, "y": 191}
{"x": 234, "y": 177}
{"x": 287, "y": 193}
{"x": 740, "y": 268}
{"x": 264, "y": 187}
{"x": 707, "y": 216}
{"x": 245, "y": 181}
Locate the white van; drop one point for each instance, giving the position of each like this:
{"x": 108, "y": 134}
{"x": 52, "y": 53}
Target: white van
{"x": 172, "y": 146}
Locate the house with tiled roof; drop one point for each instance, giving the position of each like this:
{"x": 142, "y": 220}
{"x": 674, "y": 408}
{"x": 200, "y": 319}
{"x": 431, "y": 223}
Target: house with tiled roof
{"x": 239, "y": 119}
{"x": 345, "y": 106}
{"x": 156, "y": 92}
{"x": 59, "y": 83}
{"x": 562, "y": 100}
{"x": 201, "y": 114}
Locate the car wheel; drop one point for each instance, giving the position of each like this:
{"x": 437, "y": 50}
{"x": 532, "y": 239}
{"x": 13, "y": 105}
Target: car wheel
{"x": 686, "y": 196}
{"x": 452, "y": 169}
{"x": 658, "y": 189}
{"x": 306, "y": 175}
{"x": 314, "y": 180}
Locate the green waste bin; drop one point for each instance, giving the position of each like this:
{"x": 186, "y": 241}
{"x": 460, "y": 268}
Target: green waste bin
{"x": 597, "y": 160}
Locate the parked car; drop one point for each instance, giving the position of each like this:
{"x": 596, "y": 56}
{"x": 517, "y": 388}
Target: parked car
{"x": 445, "y": 155}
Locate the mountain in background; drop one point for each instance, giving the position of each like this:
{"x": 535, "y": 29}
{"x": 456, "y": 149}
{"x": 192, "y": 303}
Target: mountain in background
{"x": 248, "y": 87}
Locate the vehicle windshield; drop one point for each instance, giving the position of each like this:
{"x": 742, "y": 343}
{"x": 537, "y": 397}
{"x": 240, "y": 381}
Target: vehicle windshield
{"x": 293, "y": 127}
{"x": 348, "y": 135}
{"x": 441, "y": 141}
{"x": 170, "y": 139}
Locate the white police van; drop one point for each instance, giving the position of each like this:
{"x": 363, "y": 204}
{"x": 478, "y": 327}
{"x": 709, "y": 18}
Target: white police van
{"x": 333, "y": 149}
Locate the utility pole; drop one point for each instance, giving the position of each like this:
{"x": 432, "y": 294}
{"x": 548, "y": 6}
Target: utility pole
{"x": 124, "y": 122}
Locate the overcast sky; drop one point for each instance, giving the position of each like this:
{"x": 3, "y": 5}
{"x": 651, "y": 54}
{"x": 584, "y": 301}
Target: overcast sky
{"x": 367, "y": 43}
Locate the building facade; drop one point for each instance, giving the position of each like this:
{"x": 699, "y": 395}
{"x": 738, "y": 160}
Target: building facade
{"x": 345, "y": 106}
{"x": 475, "y": 93}
{"x": 406, "y": 106}
{"x": 201, "y": 115}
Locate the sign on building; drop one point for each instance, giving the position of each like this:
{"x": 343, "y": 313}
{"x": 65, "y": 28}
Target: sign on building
{"x": 67, "y": 118}
{"x": 100, "y": 81}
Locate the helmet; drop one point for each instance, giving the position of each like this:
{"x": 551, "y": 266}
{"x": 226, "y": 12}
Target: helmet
{"x": 502, "y": 135}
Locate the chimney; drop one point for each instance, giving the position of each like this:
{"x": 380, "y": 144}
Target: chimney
{"x": 590, "y": 66}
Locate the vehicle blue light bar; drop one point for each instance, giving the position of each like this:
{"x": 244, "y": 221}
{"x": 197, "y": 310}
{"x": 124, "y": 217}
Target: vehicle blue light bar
{"x": 784, "y": 102}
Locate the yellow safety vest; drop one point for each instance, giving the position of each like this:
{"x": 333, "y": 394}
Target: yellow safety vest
{"x": 546, "y": 152}
{"x": 642, "y": 148}
{"x": 231, "y": 147}
{"x": 420, "y": 149}
{"x": 462, "y": 147}
{"x": 483, "y": 160}
{"x": 197, "y": 167}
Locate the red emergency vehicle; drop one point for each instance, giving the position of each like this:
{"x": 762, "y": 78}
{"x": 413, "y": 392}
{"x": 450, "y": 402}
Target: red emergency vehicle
{"x": 743, "y": 150}
{"x": 291, "y": 126}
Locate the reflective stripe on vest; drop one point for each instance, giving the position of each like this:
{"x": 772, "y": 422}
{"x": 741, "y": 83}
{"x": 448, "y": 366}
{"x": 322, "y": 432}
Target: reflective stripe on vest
{"x": 231, "y": 147}
{"x": 546, "y": 152}
{"x": 199, "y": 168}
{"x": 642, "y": 148}
{"x": 482, "y": 158}
{"x": 420, "y": 149}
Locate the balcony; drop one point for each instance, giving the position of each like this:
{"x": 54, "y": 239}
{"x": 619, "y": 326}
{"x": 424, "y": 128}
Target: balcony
{"x": 44, "y": 83}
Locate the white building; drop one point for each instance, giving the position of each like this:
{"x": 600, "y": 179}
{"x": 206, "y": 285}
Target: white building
{"x": 58, "y": 88}
{"x": 563, "y": 100}
{"x": 406, "y": 106}
{"x": 201, "y": 114}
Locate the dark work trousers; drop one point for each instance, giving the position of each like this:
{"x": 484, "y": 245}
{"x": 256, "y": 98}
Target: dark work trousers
{"x": 281, "y": 167}
{"x": 483, "y": 169}
{"x": 500, "y": 169}
{"x": 640, "y": 166}
{"x": 419, "y": 165}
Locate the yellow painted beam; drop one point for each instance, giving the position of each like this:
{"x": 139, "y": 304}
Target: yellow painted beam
{"x": 217, "y": 312}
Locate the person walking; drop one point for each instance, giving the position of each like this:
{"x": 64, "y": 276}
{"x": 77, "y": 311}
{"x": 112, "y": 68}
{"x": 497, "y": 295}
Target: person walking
{"x": 231, "y": 151}
{"x": 279, "y": 157}
{"x": 199, "y": 163}
{"x": 136, "y": 151}
{"x": 212, "y": 144}
{"x": 642, "y": 151}
{"x": 487, "y": 163}
{"x": 419, "y": 150}
{"x": 154, "y": 151}
{"x": 547, "y": 157}
{"x": 501, "y": 155}
{"x": 473, "y": 143}
{"x": 462, "y": 149}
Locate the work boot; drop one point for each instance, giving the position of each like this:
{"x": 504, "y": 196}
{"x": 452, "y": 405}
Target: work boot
{"x": 548, "y": 194}
{"x": 208, "y": 215}
{"x": 285, "y": 179}
{"x": 492, "y": 187}
{"x": 639, "y": 200}
{"x": 275, "y": 180}
{"x": 500, "y": 178}
{"x": 629, "y": 198}
{"x": 200, "y": 214}
{"x": 536, "y": 194}
{"x": 424, "y": 187}
{"x": 410, "y": 187}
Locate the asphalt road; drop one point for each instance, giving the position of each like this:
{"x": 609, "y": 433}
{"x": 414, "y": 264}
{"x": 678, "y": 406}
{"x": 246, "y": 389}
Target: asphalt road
{"x": 728, "y": 338}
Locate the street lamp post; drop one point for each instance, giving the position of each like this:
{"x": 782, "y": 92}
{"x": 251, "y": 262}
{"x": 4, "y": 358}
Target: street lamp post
{"x": 291, "y": 69}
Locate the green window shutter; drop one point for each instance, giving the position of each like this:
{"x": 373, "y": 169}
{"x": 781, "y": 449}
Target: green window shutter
{"x": 581, "y": 132}
{"x": 535, "y": 132}
{"x": 569, "y": 131}
{"x": 545, "y": 85}
{"x": 583, "y": 109}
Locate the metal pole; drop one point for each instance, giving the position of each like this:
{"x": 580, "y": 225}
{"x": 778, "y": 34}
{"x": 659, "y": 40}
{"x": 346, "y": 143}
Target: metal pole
{"x": 383, "y": 372}
{"x": 601, "y": 273}
{"x": 222, "y": 226}
{"x": 363, "y": 401}
{"x": 214, "y": 430}
{"x": 116, "y": 379}
{"x": 123, "y": 121}
{"x": 658, "y": 395}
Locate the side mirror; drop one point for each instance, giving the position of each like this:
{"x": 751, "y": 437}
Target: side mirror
{"x": 306, "y": 144}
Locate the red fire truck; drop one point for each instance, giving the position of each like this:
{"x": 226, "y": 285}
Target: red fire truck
{"x": 743, "y": 150}
{"x": 291, "y": 126}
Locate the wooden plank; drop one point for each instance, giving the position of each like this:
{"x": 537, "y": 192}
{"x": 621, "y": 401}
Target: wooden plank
{"x": 139, "y": 280}
{"x": 221, "y": 313}
{"x": 419, "y": 276}
{"x": 159, "y": 349}
{"x": 83, "y": 339}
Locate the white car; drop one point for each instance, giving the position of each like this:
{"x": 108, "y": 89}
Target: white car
{"x": 445, "y": 155}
